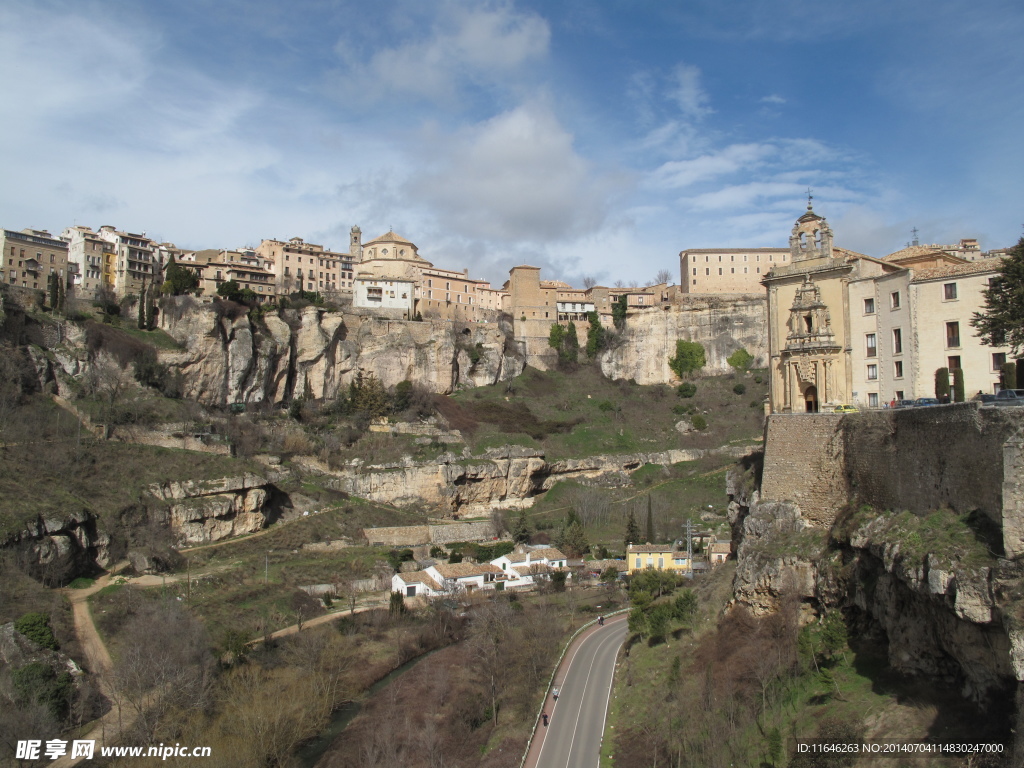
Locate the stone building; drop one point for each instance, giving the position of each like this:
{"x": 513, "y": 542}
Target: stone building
{"x": 135, "y": 260}
{"x": 301, "y": 266}
{"x": 848, "y": 328}
{"x": 94, "y": 259}
{"x": 728, "y": 270}
{"x": 243, "y": 266}
{"x": 29, "y": 257}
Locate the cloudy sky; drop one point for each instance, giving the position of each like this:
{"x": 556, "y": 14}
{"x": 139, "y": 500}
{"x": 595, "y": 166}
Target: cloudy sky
{"x": 588, "y": 137}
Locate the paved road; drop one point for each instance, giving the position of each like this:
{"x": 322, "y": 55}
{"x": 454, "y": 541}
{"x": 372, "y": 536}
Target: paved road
{"x": 573, "y": 736}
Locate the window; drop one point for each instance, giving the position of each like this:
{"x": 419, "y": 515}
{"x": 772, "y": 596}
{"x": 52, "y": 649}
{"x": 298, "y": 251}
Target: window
{"x": 719, "y": 270}
{"x": 949, "y": 291}
{"x": 869, "y": 306}
{"x": 872, "y": 372}
{"x": 707, "y": 271}
{"x": 952, "y": 334}
{"x": 953, "y": 362}
{"x": 897, "y": 341}
{"x": 694, "y": 271}
{"x": 732, "y": 270}
{"x": 998, "y": 360}
{"x": 898, "y": 369}
{"x": 899, "y": 394}
{"x": 872, "y": 345}
{"x": 872, "y": 399}
{"x": 894, "y": 299}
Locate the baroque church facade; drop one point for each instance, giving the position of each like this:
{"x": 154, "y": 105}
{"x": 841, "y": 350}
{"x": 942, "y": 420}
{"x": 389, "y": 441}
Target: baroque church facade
{"x": 845, "y": 328}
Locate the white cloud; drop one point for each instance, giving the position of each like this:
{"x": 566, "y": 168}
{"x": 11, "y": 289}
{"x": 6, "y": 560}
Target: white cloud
{"x": 730, "y": 160}
{"x": 685, "y": 90}
{"x": 773, "y": 99}
{"x": 515, "y": 176}
{"x": 467, "y": 43}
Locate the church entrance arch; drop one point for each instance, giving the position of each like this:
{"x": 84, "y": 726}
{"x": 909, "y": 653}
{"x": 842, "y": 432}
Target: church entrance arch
{"x": 811, "y": 399}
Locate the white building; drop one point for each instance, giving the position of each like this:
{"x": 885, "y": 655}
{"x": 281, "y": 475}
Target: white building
{"x": 387, "y": 295}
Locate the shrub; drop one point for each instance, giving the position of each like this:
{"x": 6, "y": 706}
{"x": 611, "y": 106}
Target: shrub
{"x": 941, "y": 383}
{"x": 686, "y": 389}
{"x": 689, "y": 358}
{"x": 606, "y": 405}
{"x": 36, "y": 627}
{"x": 700, "y": 423}
{"x": 739, "y": 388}
{"x": 758, "y": 379}
{"x": 38, "y": 682}
{"x": 740, "y": 359}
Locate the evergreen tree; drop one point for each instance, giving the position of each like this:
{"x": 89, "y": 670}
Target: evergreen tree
{"x": 619, "y": 311}
{"x": 521, "y": 529}
{"x": 142, "y": 305}
{"x": 179, "y": 280}
{"x": 689, "y": 358}
{"x": 941, "y": 383}
{"x": 571, "y": 344}
{"x": 632, "y": 530}
{"x": 595, "y": 336}
{"x": 1002, "y": 320}
{"x": 958, "y": 385}
{"x": 555, "y": 338}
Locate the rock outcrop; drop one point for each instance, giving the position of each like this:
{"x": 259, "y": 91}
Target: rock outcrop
{"x": 506, "y": 477}
{"x": 232, "y": 359}
{"x": 199, "y": 512}
{"x": 721, "y": 324}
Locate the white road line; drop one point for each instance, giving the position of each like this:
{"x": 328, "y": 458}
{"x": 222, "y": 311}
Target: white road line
{"x": 575, "y": 729}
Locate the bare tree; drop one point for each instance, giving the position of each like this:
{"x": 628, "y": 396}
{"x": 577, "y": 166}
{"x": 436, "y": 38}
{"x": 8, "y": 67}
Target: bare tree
{"x": 489, "y": 632}
{"x": 589, "y": 282}
{"x": 164, "y": 664}
{"x": 619, "y": 284}
{"x": 592, "y": 505}
{"x": 663, "y": 277}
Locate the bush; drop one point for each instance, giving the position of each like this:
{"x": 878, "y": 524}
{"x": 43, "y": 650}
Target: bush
{"x": 686, "y": 389}
{"x": 739, "y": 388}
{"x": 689, "y": 358}
{"x": 740, "y": 359}
{"x": 606, "y": 405}
{"x": 36, "y": 627}
{"x": 700, "y": 423}
{"x": 758, "y": 379}
{"x": 38, "y": 682}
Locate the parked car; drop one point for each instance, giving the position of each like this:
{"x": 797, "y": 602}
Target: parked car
{"x": 904, "y": 403}
{"x": 923, "y": 402}
{"x": 986, "y": 399}
{"x": 846, "y": 409}
{"x": 1009, "y": 397}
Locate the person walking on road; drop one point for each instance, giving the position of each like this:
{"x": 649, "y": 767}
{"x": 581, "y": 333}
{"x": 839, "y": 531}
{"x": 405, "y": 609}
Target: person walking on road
{"x": 600, "y": 621}
{"x": 544, "y": 717}
{"x": 554, "y": 693}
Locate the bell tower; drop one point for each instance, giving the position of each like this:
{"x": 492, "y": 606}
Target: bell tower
{"x": 355, "y": 243}
{"x": 811, "y": 237}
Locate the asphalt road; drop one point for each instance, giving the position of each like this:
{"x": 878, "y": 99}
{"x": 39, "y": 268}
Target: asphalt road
{"x": 577, "y": 719}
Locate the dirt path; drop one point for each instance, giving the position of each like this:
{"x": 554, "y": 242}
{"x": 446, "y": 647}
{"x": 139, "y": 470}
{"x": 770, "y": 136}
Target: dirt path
{"x": 109, "y": 727}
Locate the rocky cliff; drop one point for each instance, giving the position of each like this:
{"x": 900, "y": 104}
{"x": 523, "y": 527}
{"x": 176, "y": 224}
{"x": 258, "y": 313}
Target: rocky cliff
{"x": 945, "y": 610}
{"x": 58, "y": 547}
{"x": 229, "y": 359}
{"x": 510, "y": 476}
{"x": 721, "y": 324}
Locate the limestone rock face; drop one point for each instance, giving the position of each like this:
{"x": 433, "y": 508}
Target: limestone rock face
{"x": 288, "y": 354}
{"x": 721, "y": 324}
{"x": 505, "y": 477}
{"x": 211, "y": 510}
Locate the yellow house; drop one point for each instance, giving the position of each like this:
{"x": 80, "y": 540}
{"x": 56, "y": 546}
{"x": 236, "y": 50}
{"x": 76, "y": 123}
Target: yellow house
{"x": 665, "y": 557}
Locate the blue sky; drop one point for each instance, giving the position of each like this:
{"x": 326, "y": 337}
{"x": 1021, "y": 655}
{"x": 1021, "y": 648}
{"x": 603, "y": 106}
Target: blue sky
{"x": 595, "y": 137}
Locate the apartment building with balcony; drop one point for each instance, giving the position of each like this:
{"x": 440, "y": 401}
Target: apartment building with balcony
{"x": 29, "y": 256}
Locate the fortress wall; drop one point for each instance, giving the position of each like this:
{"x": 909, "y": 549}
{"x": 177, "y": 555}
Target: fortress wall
{"x": 958, "y": 456}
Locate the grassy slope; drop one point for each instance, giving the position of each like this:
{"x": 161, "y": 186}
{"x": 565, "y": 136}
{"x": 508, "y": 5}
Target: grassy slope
{"x": 582, "y": 413}
{"x": 52, "y": 469}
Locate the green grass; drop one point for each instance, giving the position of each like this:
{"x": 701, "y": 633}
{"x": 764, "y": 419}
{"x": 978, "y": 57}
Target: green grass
{"x": 581, "y": 413}
{"x": 51, "y": 468}
{"x": 157, "y": 337}
{"x": 681, "y": 492}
